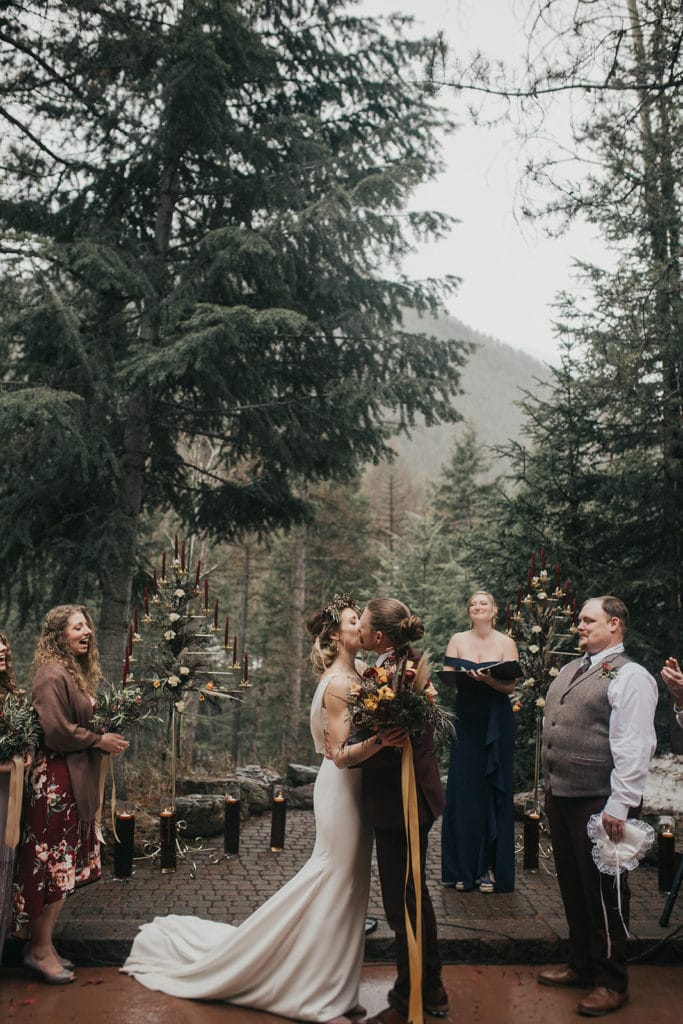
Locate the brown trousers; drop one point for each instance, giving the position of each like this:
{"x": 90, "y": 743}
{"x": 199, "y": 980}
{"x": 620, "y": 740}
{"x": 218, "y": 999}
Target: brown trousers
{"x": 392, "y": 853}
{"x": 580, "y": 886}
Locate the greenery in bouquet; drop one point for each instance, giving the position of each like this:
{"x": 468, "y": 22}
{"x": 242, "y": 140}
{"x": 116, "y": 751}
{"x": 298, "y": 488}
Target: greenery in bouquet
{"x": 544, "y": 628}
{"x": 19, "y": 730}
{"x": 116, "y": 709}
{"x": 398, "y": 695}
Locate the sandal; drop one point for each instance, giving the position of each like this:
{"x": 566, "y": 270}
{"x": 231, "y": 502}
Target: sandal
{"x": 487, "y": 884}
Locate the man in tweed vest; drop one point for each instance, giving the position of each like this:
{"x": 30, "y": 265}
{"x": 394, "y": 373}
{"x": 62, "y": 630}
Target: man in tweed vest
{"x": 598, "y": 738}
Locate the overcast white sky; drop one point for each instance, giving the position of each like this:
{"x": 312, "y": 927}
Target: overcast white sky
{"x": 511, "y": 272}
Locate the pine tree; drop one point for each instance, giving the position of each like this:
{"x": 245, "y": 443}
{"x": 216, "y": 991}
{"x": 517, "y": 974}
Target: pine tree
{"x": 198, "y": 198}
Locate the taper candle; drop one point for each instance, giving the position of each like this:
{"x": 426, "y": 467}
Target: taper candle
{"x": 155, "y": 585}
{"x": 226, "y": 640}
{"x": 163, "y": 565}
{"x": 175, "y": 548}
{"x": 145, "y": 598}
{"x": 206, "y": 595}
{"x": 196, "y": 579}
{"x": 234, "y": 651}
{"x": 245, "y": 673}
{"x": 215, "y": 615}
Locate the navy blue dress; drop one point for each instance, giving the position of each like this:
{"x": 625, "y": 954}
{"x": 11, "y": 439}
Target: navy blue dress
{"x": 478, "y": 824}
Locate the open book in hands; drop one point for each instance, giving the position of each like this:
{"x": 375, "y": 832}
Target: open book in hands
{"x": 502, "y": 671}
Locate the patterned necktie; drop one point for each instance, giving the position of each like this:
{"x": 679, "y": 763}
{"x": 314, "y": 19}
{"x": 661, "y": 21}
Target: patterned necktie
{"x": 583, "y": 667}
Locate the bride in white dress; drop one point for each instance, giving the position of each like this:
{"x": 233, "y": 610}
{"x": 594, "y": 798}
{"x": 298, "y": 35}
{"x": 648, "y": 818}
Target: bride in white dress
{"x": 275, "y": 960}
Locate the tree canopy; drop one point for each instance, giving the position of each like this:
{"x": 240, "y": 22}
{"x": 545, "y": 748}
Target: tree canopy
{"x": 201, "y": 200}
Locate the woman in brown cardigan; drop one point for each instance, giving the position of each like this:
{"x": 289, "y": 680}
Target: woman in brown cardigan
{"x": 60, "y": 847}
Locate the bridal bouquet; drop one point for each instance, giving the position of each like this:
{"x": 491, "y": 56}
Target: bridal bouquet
{"x": 398, "y": 694}
{"x": 19, "y": 730}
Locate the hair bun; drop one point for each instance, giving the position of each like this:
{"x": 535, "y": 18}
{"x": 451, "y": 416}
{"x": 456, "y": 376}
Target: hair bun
{"x": 412, "y": 628}
{"x": 315, "y": 623}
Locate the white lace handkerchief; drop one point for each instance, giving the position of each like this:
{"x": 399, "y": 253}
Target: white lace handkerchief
{"x": 613, "y": 858}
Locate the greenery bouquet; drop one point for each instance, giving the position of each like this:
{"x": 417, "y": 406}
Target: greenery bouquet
{"x": 19, "y": 731}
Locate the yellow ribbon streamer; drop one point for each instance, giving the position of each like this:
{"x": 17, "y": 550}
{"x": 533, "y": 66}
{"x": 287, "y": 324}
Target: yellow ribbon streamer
{"x": 16, "y": 788}
{"x": 413, "y": 867}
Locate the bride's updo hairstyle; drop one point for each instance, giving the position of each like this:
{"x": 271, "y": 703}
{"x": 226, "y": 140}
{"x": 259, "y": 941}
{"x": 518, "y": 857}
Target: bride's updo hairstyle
{"x": 322, "y": 625}
{"x": 393, "y": 618}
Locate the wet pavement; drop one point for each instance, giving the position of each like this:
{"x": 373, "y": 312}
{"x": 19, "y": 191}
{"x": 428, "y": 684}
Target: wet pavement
{"x": 513, "y": 931}
{"x": 478, "y": 995}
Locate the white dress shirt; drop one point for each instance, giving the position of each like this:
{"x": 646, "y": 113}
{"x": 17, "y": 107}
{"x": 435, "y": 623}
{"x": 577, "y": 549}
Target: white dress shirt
{"x": 632, "y": 696}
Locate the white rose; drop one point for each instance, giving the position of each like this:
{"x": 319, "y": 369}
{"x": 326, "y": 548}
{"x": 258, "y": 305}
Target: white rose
{"x": 179, "y": 592}
{"x": 180, "y": 705}
{"x": 540, "y": 703}
{"x": 184, "y": 670}
{"x": 536, "y": 629}
{"x": 169, "y": 634}
{"x": 173, "y": 681}
{"x": 554, "y": 672}
{"x": 173, "y": 617}
{"x": 533, "y": 648}
{"x": 529, "y": 682}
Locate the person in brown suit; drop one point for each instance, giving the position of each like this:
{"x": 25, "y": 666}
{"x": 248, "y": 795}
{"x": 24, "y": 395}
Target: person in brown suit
{"x": 387, "y": 629}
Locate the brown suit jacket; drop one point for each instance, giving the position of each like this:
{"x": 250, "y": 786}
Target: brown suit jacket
{"x": 381, "y": 782}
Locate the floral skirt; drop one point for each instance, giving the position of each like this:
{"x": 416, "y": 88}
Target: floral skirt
{"x": 56, "y": 853}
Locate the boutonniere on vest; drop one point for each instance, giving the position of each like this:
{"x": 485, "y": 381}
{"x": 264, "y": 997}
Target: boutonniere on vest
{"x": 607, "y": 670}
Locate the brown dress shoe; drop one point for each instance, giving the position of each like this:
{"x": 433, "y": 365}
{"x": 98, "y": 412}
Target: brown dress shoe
{"x": 563, "y": 976}
{"x": 387, "y": 1016}
{"x": 435, "y": 1003}
{"x": 601, "y": 1000}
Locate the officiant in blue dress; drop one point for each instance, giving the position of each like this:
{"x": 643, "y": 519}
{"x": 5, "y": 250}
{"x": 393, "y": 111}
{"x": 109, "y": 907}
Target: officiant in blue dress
{"x": 478, "y": 832}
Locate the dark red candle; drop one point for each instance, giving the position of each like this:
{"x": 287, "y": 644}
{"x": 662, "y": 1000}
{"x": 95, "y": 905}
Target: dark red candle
{"x": 155, "y": 585}
{"x": 215, "y": 615}
{"x": 145, "y": 598}
{"x": 533, "y": 563}
{"x": 558, "y": 576}
{"x": 234, "y": 650}
{"x": 206, "y": 595}
{"x": 226, "y": 641}
{"x": 245, "y": 675}
{"x": 196, "y": 579}
{"x": 163, "y": 565}
{"x": 175, "y": 548}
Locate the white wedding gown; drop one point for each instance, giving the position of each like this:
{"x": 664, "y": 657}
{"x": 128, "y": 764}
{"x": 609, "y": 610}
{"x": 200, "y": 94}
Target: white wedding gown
{"x": 300, "y": 954}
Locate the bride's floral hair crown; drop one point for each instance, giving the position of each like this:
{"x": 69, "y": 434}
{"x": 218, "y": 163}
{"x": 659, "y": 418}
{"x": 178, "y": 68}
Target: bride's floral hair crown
{"x": 336, "y": 606}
